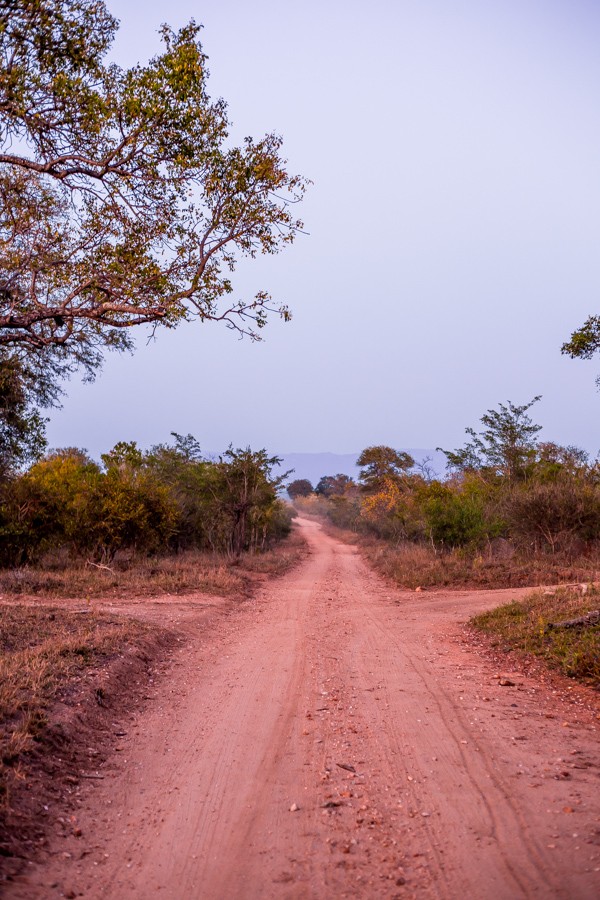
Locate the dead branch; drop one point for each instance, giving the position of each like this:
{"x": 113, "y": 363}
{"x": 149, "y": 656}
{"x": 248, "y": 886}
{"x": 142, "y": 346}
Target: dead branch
{"x": 99, "y": 566}
{"x": 591, "y": 618}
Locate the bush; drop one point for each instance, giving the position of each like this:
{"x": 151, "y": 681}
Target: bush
{"x": 460, "y": 514}
{"x": 556, "y": 515}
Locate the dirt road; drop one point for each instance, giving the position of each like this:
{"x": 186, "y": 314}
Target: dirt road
{"x": 336, "y": 738}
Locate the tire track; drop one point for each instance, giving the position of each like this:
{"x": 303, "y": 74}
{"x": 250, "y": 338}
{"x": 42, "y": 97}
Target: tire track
{"x": 323, "y": 742}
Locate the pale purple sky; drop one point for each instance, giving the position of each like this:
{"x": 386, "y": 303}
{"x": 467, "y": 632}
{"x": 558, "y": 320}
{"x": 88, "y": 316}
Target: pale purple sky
{"x": 454, "y": 228}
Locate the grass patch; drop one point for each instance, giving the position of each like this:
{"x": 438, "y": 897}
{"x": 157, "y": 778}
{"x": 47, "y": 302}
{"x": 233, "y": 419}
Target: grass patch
{"x": 522, "y": 626}
{"x": 183, "y": 573}
{"x": 41, "y": 651}
{"x": 415, "y": 565}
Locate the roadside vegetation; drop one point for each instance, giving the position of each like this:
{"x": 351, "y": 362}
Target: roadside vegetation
{"x": 529, "y": 626}
{"x": 113, "y": 517}
{"x": 511, "y": 511}
{"x": 187, "y": 572}
{"x": 139, "y": 524}
{"x": 126, "y": 203}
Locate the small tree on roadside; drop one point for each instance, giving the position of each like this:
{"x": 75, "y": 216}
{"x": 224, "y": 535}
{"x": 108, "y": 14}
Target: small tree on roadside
{"x": 244, "y": 491}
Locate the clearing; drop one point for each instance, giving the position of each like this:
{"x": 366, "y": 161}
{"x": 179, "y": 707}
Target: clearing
{"x": 335, "y": 737}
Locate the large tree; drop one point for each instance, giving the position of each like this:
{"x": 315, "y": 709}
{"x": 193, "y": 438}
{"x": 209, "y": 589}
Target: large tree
{"x": 122, "y": 200}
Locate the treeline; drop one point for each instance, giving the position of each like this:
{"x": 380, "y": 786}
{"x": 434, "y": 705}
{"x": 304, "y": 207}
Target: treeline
{"x": 165, "y": 500}
{"x": 504, "y": 492}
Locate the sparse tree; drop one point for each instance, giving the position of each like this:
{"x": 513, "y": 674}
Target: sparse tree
{"x": 244, "y": 490}
{"x": 505, "y": 447}
{"x": 554, "y": 461}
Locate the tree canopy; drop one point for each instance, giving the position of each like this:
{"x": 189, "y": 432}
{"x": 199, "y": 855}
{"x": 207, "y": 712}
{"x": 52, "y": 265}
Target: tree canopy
{"x": 300, "y": 487}
{"x": 122, "y": 200}
{"x": 381, "y": 464}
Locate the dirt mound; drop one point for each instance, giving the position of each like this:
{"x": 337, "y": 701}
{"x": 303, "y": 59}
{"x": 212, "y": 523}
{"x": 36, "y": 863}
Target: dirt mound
{"x": 78, "y": 739}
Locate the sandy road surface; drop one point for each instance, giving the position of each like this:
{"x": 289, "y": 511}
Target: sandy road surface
{"x": 335, "y": 738}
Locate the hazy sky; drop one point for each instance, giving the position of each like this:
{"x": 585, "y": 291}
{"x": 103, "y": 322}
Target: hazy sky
{"x": 454, "y": 228}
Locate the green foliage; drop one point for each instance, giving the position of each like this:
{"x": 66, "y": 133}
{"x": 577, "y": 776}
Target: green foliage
{"x": 300, "y": 487}
{"x": 122, "y": 200}
{"x": 135, "y": 511}
{"x": 457, "y": 515}
{"x": 245, "y": 493}
{"x": 541, "y": 499}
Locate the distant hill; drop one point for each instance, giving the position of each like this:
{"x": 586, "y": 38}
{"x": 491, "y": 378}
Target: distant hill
{"x": 314, "y": 465}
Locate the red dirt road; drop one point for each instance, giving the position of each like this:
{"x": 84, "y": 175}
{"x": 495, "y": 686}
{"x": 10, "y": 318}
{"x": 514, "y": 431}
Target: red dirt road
{"x": 337, "y": 738}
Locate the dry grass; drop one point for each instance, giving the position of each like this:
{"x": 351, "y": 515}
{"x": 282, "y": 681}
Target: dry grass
{"x": 522, "y": 626}
{"x": 279, "y": 560}
{"x": 184, "y": 573}
{"x": 41, "y": 650}
{"x": 413, "y": 565}
{"x": 313, "y": 505}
